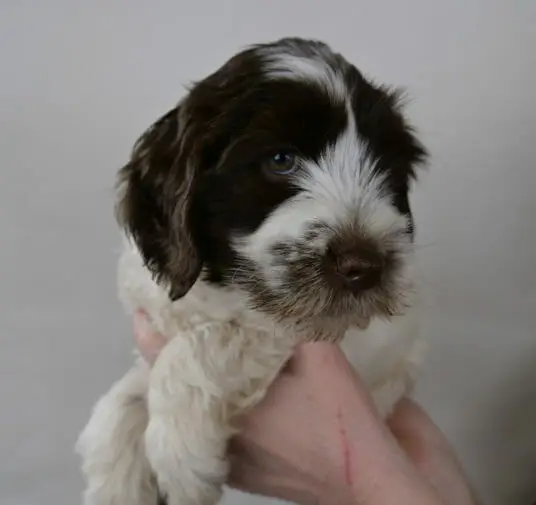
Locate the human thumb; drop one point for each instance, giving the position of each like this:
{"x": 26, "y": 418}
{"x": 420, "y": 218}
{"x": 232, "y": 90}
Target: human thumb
{"x": 148, "y": 342}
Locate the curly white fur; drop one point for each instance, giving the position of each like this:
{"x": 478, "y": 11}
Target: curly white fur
{"x": 174, "y": 421}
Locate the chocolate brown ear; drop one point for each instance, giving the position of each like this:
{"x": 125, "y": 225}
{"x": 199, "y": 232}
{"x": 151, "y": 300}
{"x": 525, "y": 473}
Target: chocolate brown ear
{"x": 154, "y": 191}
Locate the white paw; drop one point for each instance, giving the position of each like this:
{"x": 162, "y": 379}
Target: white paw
{"x": 188, "y": 471}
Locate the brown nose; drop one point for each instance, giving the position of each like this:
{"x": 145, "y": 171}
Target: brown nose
{"x": 359, "y": 268}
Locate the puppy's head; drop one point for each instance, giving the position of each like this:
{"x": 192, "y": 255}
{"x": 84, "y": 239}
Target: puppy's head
{"x": 286, "y": 173}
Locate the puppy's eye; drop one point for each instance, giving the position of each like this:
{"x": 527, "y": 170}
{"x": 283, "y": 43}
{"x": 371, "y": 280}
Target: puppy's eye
{"x": 282, "y": 163}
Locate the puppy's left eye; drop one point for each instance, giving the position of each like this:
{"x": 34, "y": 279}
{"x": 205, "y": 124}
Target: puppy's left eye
{"x": 282, "y": 163}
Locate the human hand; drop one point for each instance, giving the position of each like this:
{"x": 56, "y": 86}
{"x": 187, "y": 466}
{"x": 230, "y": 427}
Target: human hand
{"x": 316, "y": 438}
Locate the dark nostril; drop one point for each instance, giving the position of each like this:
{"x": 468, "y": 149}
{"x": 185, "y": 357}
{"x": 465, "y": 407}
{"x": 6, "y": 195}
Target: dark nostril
{"x": 352, "y": 274}
{"x": 358, "y": 269}
{"x": 348, "y": 266}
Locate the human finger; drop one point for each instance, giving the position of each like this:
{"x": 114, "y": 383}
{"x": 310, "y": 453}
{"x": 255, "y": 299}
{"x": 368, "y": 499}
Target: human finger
{"x": 148, "y": 342}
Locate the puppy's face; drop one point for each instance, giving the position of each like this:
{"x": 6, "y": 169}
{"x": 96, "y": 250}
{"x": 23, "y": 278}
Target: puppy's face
{"x": 285, "y": 173}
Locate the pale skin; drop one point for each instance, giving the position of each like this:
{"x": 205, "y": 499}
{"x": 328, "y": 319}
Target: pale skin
{"x": 316, "y": 439}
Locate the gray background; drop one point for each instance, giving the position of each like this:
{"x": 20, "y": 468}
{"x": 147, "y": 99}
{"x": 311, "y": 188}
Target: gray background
{"x": 78, "y": 83}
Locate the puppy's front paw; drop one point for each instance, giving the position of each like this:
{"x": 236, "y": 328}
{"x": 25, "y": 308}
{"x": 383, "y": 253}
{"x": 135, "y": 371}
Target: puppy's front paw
{"x": 190, "y": 469}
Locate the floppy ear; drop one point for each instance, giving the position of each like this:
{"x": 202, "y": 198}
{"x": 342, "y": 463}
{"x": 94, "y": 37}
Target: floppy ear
{"x": 153, "y": 206}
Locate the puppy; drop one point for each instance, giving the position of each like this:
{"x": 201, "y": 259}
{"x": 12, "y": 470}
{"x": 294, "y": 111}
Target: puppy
{"x": 269, "y": 207}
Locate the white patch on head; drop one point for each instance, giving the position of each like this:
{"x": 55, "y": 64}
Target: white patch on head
{"x": 345, "y": 180}
{"x": 339, "y": 190}
{"x": 290, "y": 66}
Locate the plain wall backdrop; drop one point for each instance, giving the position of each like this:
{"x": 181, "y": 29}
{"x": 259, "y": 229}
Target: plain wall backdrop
{"x": 79, "y": 81}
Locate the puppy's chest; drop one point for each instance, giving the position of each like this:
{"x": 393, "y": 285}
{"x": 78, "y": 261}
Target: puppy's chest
{"x": 374, "y": 352}
{"x": 219, "y": 324}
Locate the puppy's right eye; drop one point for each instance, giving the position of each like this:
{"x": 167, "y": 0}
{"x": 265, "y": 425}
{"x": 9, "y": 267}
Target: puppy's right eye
{"x": 282, "y": 163}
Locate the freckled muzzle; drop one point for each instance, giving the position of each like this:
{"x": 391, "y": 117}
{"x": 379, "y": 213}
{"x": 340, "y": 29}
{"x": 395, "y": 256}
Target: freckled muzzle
{"x": 333, "y": 273}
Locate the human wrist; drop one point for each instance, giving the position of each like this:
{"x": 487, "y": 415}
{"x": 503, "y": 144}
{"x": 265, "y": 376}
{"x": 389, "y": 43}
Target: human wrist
{"x": 316, "y": 493}
{"x": 318, "y": 480}
{"x": 391, "y": 489}
{"x": 310, "y": 480}
{"x": 366, "y": 475}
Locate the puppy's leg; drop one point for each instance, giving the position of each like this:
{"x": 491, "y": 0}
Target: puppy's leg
{"x": 112, "y": 446}
{"x": 193, "y": 395}
{"x": 187, "y": 433}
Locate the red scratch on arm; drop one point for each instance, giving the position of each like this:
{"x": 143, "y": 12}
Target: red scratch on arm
{"x": 345, "y": 449}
